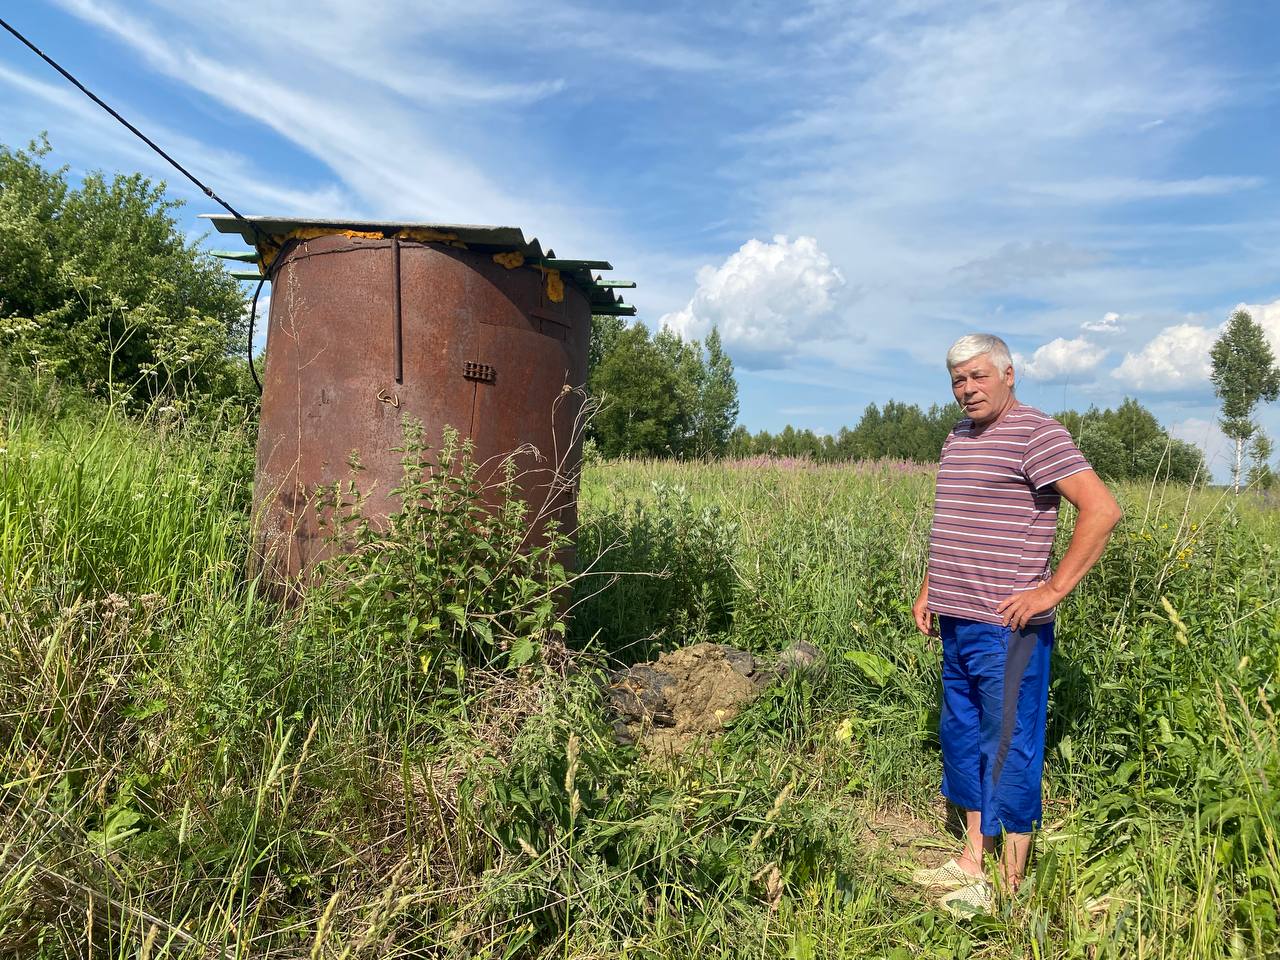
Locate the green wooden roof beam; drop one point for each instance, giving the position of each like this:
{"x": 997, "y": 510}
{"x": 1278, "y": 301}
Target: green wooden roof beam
{"x": 627, "y": 284}
{"x": 246, "y": 274}
{"x": 613, "y": 309}
{"x": 556, "y": 264}
{"x": 244, "y": 256}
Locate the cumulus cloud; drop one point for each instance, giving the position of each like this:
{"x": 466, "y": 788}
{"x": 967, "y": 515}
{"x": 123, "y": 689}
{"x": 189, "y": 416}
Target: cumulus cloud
{"x": 1110, "y": 323}
{"x": 1061, "y": 360}
{"x": 766, "y": 299}
{"x": 1175, "y": 358}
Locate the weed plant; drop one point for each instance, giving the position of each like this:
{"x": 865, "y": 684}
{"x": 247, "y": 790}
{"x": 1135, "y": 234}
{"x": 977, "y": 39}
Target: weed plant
{"x": 410, "y": 763}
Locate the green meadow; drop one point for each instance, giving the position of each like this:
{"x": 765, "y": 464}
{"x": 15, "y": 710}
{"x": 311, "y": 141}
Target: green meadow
{"x": 415, "y": 761}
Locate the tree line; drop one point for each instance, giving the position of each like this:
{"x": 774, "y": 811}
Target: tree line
{"x": 665, "y": 397}
{"x": 1127, "y": 443}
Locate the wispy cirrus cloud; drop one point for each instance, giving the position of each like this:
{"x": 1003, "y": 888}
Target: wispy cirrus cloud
{"x": 1115, "y": 190}
{"x": 82, "y": 130}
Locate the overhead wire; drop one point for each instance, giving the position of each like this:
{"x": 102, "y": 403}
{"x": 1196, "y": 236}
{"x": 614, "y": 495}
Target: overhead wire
{"x": 204, "y": 188}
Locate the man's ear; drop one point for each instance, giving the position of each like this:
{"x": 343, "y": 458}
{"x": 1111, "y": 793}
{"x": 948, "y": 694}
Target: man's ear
{"x": 1008, "y": 376}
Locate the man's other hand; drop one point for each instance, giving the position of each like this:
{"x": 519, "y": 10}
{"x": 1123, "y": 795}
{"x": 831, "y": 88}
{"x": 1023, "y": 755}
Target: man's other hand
{"x": 1021, "y": 607}
{"x": 920, "y": 611}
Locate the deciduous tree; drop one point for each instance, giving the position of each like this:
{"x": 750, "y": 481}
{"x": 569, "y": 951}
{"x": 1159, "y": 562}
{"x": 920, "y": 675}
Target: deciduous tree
{"x": 1244, "y": 374}
{"x": 99, "y": 287}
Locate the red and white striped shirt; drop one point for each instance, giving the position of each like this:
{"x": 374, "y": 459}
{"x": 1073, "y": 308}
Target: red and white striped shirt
{"x": 995, "y": 512}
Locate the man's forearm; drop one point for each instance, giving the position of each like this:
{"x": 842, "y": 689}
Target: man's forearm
{"x": 1088, "y": 540}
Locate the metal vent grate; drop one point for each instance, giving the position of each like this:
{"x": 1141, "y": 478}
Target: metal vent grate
{"x": 474, "y": 370}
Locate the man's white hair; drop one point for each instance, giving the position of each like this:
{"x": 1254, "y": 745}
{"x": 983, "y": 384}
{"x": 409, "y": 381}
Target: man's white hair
{"x": 975, "y": 345}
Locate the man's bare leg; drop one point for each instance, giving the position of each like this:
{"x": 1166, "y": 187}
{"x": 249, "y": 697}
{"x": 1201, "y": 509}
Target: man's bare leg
{"x": 1017, "y": 848}
{"x": 976, "y": 847}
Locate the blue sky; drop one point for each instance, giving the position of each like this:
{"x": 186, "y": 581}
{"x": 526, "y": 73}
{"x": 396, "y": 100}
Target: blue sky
{"x": 843, "y": 188}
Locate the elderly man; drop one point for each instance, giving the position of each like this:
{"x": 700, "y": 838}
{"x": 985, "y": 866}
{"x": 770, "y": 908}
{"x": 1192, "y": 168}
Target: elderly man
{"x": 1004, "y": 469}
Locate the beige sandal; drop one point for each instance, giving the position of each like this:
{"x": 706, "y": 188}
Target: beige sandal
{"x": 949, "y": 876}
{"x": 972, "y": 899}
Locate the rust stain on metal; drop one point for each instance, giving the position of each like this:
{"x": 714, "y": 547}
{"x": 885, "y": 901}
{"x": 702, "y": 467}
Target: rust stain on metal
{"x": 475, "y": 346}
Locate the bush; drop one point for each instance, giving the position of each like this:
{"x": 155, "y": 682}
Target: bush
{"x": 656, "y": 572}
{"x": 100, "y": 289}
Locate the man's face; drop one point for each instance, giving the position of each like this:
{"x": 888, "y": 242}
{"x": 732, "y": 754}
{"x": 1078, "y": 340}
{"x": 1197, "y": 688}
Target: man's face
{"x": 981, "y": 389}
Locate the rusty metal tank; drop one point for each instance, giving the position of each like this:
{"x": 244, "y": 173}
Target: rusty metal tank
{"x": 469, "y": 328}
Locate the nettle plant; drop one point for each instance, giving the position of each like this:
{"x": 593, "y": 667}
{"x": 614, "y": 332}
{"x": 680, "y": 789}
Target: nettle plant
{"x": 451, "y": 573}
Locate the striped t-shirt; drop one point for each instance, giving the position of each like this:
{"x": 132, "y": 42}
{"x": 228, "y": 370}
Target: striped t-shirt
{"x": 995, "y": 512}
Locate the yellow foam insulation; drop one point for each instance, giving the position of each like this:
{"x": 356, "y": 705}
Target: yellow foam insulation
{"x": 422, "y": 235}
{"x": 511, "y": 259}
{"x": 555, "y": 286}
{"x": 271, "y": 246}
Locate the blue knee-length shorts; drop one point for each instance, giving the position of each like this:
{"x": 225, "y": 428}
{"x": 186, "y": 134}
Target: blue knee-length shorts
{"x": 995, "y": 692}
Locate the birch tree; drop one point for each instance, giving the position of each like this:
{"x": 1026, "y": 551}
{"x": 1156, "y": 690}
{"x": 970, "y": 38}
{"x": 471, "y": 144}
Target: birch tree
{"x": 1244, "y": 375}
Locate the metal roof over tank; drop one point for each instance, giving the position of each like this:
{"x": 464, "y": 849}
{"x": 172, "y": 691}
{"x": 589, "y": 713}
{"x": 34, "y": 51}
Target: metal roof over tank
{"x": 267, "y": 235}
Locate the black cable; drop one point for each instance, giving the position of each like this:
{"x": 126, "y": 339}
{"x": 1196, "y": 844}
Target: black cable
{"x": 129, "y": 126}
{"x": 208, "y": 192}
{"x": 253, "y": 313}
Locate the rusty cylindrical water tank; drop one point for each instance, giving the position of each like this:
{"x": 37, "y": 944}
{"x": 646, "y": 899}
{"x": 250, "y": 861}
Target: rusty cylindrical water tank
{"x": 369, "y": 324}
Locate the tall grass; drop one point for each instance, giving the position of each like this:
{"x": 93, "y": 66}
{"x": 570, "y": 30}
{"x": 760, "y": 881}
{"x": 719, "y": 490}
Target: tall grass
{"x": 188, "y": 769}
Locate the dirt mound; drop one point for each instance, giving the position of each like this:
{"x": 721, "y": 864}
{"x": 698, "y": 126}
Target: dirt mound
{"x": 690, "y": 694}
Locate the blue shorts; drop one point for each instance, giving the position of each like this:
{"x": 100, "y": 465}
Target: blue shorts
{"x": 995, "y": 691}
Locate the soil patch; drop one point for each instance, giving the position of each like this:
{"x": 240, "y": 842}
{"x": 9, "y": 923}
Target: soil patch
{"x": 691, "y": 694}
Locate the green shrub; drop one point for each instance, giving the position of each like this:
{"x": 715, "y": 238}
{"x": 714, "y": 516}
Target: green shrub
{"x": 656, "y": 572}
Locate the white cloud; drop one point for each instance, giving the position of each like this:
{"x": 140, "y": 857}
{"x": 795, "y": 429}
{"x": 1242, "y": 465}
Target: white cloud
{"x": 1127, "y": 189}
{"x": 1177, "y": 357}
{"x": 79, "y": 128}
{"x": 326, "y": 109}
{"x": 765, "y": 299}
{"x": 1016, "y": 263}
{"x": 925, "y": 127}
{"x": 1061, "y": 360}
{"x": 1110, "y": 323}
{"x": 1267, "y": 316}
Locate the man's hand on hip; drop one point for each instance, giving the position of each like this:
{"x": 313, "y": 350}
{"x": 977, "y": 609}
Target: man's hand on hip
{"x": 1021, "y": 607}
